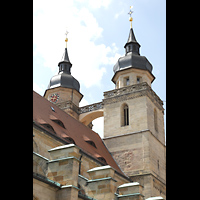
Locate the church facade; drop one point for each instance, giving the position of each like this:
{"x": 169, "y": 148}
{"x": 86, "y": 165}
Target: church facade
{"x": 70, "y": 161}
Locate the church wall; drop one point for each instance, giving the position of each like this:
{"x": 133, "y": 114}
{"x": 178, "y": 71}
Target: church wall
{"x": 98, "y": 189}
{"x": 146, "y": 182}
{"x": 43, "y": 143}
{"x": 131, "y": 152}
{"x": 65, "y": 94}
{"x": 86, "y": 164}
{"x": 152, "y": 186}
{"x": 132, "y": 74}
{"x": 158, "y": 188}
{"x": 157, "y": 158}
{"x": 113, "y": 116}
{"x": 68, "y": 100}
{"x": 99, "y": 182}
{"x": 43, "y": 191}
{"x": 159, "y": 133}
{"x": 137, "y": 155}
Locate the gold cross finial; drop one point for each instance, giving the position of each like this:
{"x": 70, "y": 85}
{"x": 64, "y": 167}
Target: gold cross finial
{"x": 66, "y": 40}
{"x": 130, "y": 13}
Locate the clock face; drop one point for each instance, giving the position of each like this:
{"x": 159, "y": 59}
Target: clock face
{"x": 54, "y": 98}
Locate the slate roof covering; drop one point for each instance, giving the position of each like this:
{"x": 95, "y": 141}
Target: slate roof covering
{"x": 57, "y": 122}
{"x": 132, "y": 58}
{"x": 64, "y": 77}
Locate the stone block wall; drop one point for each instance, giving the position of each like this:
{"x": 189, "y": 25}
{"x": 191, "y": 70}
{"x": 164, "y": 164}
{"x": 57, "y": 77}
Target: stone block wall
{"x": 130, "y": 191}
{"x": 63, "y": 166}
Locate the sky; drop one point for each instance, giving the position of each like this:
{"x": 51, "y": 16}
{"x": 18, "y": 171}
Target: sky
{"x": 98, "y": 31}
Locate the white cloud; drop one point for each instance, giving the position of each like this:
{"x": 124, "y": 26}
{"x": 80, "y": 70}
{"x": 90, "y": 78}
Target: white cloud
{"x": 119, "y": 13}
{"x": 49, "y": 26}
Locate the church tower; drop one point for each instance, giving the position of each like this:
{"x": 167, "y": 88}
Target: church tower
{"x": 134, "y": 121}
{"x": 63, "y": 88}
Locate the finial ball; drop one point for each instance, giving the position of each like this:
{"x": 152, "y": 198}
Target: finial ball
{"x": 130, "y": 19}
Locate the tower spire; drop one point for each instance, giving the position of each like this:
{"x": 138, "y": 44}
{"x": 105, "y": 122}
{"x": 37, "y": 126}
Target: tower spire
{"x": 132, "y": 45}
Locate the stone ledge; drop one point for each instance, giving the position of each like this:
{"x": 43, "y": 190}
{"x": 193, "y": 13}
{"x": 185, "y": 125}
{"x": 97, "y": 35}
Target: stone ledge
{"x": 128, "y": 195}
{"x": 155, "y": 198}
{"x": 63, "y": 147}
{"x": 69, "y": 186}
{"x": 101, "y": 179}
{"x": 129, "y": 184}
{"x": 40, "y": 156}
{"x": 68, "y": 158}
{"x": 84, "y": 178}
{"x": 115, "y": 136}
{"x": 46, "y": 180}
{"x": 100, "y": 168}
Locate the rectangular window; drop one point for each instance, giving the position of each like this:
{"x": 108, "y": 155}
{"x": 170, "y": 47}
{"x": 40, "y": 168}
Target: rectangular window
{"x": 138, "y": 79}
{"x": 127, "y": 81}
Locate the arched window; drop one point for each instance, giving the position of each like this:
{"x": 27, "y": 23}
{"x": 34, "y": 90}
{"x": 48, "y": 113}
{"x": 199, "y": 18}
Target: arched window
{"x": 125, "y": 115}
{"x": 155, "y": 120}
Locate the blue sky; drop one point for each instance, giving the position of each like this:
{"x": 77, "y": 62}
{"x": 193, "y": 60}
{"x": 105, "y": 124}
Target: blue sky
{"x": 98, "y": 31}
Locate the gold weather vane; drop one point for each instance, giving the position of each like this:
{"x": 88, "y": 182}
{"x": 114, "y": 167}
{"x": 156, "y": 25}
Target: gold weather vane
{"x": 130, "y": 13}
{"x": 66, "y": 40}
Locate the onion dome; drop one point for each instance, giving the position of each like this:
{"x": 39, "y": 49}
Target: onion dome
{"x": 132, "y": 58}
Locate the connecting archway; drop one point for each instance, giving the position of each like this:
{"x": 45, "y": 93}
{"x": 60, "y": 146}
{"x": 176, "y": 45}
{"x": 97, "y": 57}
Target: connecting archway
{"x": 90, "y": 112}
{"x": 88, "y": 117}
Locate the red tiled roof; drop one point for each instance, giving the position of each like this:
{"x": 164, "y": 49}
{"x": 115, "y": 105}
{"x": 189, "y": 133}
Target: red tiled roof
{"x": 82, "y": 135}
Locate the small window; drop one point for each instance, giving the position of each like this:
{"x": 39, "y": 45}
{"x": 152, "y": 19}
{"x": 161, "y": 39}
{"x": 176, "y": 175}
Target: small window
{"x": 49, "y": 127}
{"x": 126, "y": 81}
{"x": 125, "y": 115}
{"x": 91, "y": 143}
{"x": 138, "y": 79}
{"x": 52, "y": 109}
{"x": 155, "y": 120}
{"x": 102, "y": 160}
{"x": 57, "y": 121}
{"x": 69, "y": 139}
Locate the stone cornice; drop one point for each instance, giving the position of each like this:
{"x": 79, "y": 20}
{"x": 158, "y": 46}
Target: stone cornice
{"x": 131, "y": 92}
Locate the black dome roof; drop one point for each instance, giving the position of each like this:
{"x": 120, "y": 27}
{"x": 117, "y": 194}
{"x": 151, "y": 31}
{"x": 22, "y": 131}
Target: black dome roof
{"x": 132, "y": 61}
{"x": 64, "y": 80}
{"x": 132, "y": 58}
{"x": 64, "y": 77}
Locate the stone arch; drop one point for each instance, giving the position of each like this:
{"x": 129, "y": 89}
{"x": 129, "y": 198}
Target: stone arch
{"x": 88, "y": 117}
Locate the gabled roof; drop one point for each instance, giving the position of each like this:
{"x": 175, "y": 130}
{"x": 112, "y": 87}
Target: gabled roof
{"x": 59, "y": 123}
